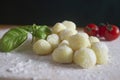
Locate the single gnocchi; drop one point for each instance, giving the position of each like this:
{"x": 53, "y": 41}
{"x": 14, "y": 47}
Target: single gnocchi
{"x": 83, "y": 34}
{"x": 63, "y": 54}
{"x": 42, "y": 47}
{"x": 65, "y": 34}
{"x": 64, "y": 42}
{"x": 77, "y": 41}
{"x": 93, "y": 39}
{"x": 69, "y": 24}
{"x": 58, "y": 27}
{"x": 101, "y": 51}
{"x": 85, "y": 57}
{"x": 54, "y": 40}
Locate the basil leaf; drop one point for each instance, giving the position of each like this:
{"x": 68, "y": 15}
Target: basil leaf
{"x": 38, "y": 31}
{"x": 42, "y": 32}
{"x": 46, "y": 29}
{"x": 12, "y": 39}
{"x": 28, "y": 28}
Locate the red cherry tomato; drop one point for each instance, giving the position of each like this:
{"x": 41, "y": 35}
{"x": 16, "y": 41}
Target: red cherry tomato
{"x": 112, "y": 32}
{"x": 102, "y": 29}
{"x": 91, "y": 29}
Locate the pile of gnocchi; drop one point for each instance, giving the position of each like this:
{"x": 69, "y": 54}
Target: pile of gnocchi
{"x": 67, "y": 45}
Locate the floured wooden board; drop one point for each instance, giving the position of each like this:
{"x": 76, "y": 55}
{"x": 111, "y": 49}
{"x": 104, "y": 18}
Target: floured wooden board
{"x": 24, "y": 64}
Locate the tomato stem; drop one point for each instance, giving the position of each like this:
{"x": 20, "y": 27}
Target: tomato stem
{"x": 102, "y": 24}
{"x": 109, "y": 27}
{"x": 88, "y": 29}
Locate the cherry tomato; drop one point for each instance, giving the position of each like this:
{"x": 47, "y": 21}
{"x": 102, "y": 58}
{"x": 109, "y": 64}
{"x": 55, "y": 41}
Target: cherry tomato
{"x": 91, "y": 29}
{"x": 112, "y": 32}
{"x": 102, "y": 29}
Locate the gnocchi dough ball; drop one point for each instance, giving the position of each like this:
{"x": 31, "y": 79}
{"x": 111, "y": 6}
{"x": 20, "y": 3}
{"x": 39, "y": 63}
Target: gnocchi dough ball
{"x": 42, "y": 47}
{"x": 93, "y": 39}
{"x": 54, "y": 40}
{"x": 65, "y": 34}
{"x": 69, "y": 24}
{"x": 83, "y": 34}
{"x": 85, "y": 57}
{"x": 58, "y": 27}
{"x": 77, "y": 41}
{"x": 63, "y": 54}
{"x": 101, "y": 51}
{"x": 64, "y": 42}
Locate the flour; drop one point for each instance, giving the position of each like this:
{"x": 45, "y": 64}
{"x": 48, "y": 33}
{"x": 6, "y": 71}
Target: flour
{"x": 19, "y": 67}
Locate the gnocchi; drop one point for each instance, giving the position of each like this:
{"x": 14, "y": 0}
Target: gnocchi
{"x": 83, "y": 34}
{"x": 65, "y": 34}
{"x": 69, "y": 24}
{"x": 64, "y": 42}
{"x": 58, "y": 27}
{"x": 42, "y": 47}
{"x": 77, "y": 41}
{"x": 67, "y": 45}
{"x": 63, "y": 54}
{"x": 54, "y": 40}
{"x": 93, "y": 39}
{"x": 101, "y": 51}
{"x": 85, "y": 57}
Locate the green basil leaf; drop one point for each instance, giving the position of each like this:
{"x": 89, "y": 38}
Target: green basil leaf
{"x": 46, "y": 29}
{"x": 42, "y": 32}
{"x": 38, "y": 31}
{"x": 12, "y": 39}
{"x": 28, "y": 28}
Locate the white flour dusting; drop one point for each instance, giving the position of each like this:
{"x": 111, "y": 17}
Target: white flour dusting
{"x": 19, "y": 67}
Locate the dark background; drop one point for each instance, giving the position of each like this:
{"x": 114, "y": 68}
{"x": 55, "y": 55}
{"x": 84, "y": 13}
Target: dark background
{"x": 49, "y": 12}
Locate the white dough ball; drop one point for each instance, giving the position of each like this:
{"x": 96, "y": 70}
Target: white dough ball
{"x": 65, "y": 34}
{"x": 64, "y": 42}
{"x": 69, "y": 24}
{"x": 42, "y": 47}
{"x": 93, "y": 39}
{"x": 85, "y": 57}
{"x": 101, "y": 51}
{"x": 58, "y": 27}
{"x": 63, "y": 54}
{"x": 77, "y": 41}
{"x": 83, "y": 34}
{"x": 54, "y": 40}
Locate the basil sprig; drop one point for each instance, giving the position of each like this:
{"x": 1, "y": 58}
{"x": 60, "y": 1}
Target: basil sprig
{"x": 16, "y": 36}
{"x": 38, "y": 31}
